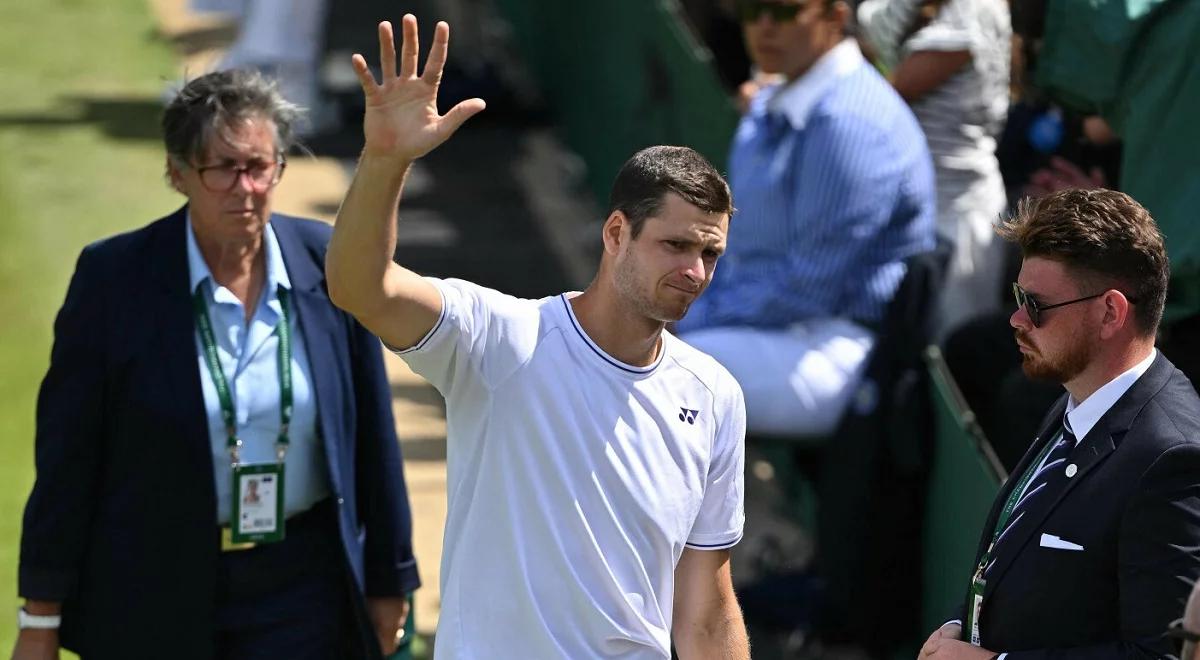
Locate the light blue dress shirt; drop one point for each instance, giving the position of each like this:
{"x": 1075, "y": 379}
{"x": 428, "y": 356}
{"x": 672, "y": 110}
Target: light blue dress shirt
{"x": 249, "y": 357}
{"x": 834, "y": 189}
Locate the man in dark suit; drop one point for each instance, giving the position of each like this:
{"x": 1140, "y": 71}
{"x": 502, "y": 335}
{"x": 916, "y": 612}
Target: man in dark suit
{"x": 1092, "y": 544}
{"x": 192, "y": 357}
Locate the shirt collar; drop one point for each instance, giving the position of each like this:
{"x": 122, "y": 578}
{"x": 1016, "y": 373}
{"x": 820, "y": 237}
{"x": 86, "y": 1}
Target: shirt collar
{"x": 1081, "y": 417}
{"x": 198, "y": 270}
{"x": 795, "y": 100}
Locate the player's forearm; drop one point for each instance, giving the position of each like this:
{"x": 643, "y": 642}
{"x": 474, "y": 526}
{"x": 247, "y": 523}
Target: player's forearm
{"x": 364, "y": 238}
{"x": 719, "y": 634}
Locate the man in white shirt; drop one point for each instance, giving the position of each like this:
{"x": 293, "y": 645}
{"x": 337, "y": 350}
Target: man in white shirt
{"x": 595, "y": 462}
{"x": 1093, "y": 541}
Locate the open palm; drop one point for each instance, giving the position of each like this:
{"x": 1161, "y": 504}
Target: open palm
{"x": 402, "y": 119}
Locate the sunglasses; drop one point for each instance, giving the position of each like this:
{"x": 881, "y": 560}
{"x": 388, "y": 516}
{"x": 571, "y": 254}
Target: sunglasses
{"x": 1034, "y": 309}
{"x": 778, "y": 12}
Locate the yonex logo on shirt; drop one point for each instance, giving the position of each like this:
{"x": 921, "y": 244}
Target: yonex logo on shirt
{"x": 688, "y": 415}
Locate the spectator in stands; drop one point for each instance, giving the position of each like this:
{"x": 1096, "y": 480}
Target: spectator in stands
{"x": 1044, "y": 148}
{"x": 1135, "y": 63}
{"x": 284, "y": 39}
{"x": 950, "y": 60}
{"x": 835, "y": 189}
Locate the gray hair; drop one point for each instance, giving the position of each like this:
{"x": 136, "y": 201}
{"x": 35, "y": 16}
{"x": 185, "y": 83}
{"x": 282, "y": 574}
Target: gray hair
{"x": 213, "y": 103}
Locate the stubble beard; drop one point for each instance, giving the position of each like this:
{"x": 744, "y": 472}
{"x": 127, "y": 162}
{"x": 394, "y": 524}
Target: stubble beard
{"x": 636, "y": 299}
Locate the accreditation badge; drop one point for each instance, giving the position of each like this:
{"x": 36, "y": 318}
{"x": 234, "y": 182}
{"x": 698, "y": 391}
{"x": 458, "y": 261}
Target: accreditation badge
{"x": 257, "y": 503}
{"x": 975, "y": 608}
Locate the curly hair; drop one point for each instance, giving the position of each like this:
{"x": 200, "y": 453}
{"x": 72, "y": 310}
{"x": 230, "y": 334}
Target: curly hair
{"x": 1105, "y": 237}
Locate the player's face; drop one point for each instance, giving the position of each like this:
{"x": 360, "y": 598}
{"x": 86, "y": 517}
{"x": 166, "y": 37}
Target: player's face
{"x": 672, "y": 260}
{"x": 1066, "y": 338}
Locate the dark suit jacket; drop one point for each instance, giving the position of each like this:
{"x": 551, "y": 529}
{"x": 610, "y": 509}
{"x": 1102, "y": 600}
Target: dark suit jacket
{"x": 121, "y": 524}
{"x": 1134, "y": 506}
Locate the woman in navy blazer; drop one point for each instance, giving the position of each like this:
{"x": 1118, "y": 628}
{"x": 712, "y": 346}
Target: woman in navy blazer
{"x": 122, "y": 553}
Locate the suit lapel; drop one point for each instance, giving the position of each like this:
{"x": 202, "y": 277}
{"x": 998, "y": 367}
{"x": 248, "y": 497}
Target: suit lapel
{"x": 319, "y": 322}
{"x": 1093, "y": 449}
{"x": 1047, "y": 431}
{"x": 176, "y": 354}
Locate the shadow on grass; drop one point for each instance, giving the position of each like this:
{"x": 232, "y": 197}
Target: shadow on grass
{"x": 121, "y": 118}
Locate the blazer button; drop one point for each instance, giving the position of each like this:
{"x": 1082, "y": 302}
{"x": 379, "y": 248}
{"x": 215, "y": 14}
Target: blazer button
{"x": 341, "y": 501}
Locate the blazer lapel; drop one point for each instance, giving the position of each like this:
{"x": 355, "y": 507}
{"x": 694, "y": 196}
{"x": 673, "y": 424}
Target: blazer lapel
{"x": 319, "y": 323}
{"x": 172, "y": 312}
{"x": 1093, "y": 448}
{"x": 1046, "y": 433}
{"x": 1111, "y": 428}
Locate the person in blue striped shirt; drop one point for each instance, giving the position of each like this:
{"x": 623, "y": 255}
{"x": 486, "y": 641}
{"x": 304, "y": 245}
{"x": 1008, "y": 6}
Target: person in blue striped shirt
{"x": 834, "y": 187}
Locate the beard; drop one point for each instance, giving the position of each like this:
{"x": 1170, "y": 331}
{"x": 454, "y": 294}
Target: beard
{"x": 628, "y": 281}
{"x": 1060, "y": 368}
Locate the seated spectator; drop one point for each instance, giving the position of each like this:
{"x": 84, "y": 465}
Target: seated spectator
{"x": 283, "y": 39}
{"x": 950, "y": 60}
{"x": 1044, "y": 148}
{"x": 835, "y": 189}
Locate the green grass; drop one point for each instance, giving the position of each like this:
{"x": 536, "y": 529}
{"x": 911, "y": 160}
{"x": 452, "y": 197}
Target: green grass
{"x": 79, "y": 160}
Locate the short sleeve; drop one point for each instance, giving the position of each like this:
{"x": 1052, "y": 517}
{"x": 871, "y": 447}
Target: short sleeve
{"x": 952, "y": 29}
{"x": 478, "y": 337}
{"x": 882, "y": 24}
{"x": 723, "y": 512}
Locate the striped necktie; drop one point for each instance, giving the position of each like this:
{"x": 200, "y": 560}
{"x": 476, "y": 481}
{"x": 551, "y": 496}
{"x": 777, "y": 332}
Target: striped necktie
{"x": 1048, "y": 480}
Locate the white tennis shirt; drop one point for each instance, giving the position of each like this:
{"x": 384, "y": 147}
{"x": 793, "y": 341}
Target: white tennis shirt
{"x": 574, "y": 480}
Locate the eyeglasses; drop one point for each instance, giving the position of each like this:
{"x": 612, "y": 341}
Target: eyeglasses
{"x": 263, "y": 175}
{"x": 778, "y": 12}
{"x": 1035, "y": 309}
{"x": 1175, "y": 630}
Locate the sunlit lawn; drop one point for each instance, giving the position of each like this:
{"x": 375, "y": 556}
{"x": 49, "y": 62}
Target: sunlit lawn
{"x": 79, "y": 160}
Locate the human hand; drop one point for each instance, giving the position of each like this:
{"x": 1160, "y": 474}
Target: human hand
{"x": 401, "y": 119}
{"x": 388, "y": 616}
{"x": 950, "y": 630}
{"x": 953, "y": 649}
{"x": 745, "y": 93}
{"x": 36, "y": 644}
{"x": 944, "y": 644}
{"x": 1062, "y": 174}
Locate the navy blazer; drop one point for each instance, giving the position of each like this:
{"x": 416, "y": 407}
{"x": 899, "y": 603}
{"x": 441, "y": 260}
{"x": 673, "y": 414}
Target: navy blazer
{"x": 1134, "y": 506}
{"x": 121, "y": 523}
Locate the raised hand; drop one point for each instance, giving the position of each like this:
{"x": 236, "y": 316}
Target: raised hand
{"x": 1062, "y": 174}
{"x": 402, "y": 118}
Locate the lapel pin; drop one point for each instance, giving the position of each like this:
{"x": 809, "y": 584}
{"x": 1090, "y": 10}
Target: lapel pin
{"x": 1071, "y": 470}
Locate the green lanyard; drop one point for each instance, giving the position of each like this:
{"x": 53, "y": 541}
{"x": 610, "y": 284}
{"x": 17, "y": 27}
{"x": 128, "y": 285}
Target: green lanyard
{"x": 1013, "y": 498}
{"x": 208, "y": 339}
